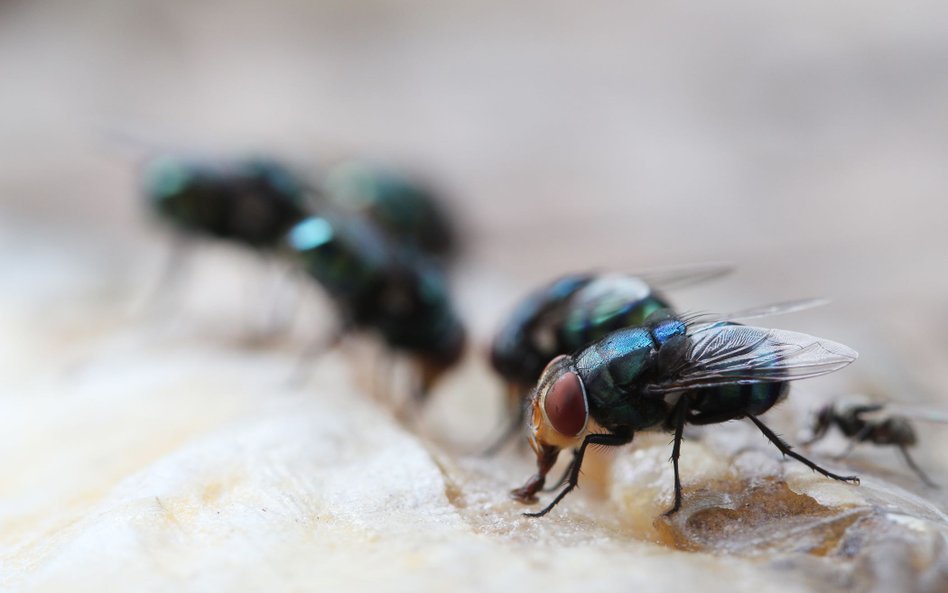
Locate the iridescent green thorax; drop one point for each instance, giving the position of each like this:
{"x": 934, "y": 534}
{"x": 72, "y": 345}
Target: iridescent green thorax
{"x": 404, "y": 208}
{"x": 615, "y": 369}
{"x": 345, "y": 255}
{"x": 252, "y": 201}
{"x": 617, "y": 360}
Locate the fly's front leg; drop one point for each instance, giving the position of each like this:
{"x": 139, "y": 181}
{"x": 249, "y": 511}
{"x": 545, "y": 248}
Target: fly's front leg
{"x": 606, "y": 440}
{"x": 566, "y": 473}
{"x": 546, "y": 457}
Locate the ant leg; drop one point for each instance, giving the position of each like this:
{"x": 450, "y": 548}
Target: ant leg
{"x": 811, "y": 441}
{"x": 679, "y": 412}
{"x": 847, "y": 451}
{"x": 853, "y": 441}
{"x": 918, "y": 471}
{"x": 606, "y": 440}
{"x": 788, "y": 451}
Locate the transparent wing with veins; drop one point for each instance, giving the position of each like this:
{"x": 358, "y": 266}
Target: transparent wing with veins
{"x": 728, "y": 354}
{"x": 783, "y": 308}
{"x": 681, "y": 276}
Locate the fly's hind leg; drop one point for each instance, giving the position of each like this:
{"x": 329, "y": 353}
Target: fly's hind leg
{"x": 788, "y": 451}
{"x": 679, "y": 414}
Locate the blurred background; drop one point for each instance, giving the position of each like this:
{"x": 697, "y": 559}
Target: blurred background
{"x": 804, "y": 142}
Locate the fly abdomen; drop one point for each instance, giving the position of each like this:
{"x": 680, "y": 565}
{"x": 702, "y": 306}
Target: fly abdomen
{"x": 735, "y": 401}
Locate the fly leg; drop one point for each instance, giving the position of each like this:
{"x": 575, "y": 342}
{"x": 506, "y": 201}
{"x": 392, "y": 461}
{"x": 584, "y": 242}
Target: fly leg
{"x": 174, "y": 270}
{"x": 281, "y": 311}
{"x": 788, "y": 451}
{"x": 384, "y": 376}
{"x": 606, "y": 440}
{"x": 517, "y": 413}
{"x": 918, "y": 471}
{"x": 679, "y": 415}
{"x": 317, "y": 348}
{"x": 566, "y": 473}
{"x": 510, "y": 431}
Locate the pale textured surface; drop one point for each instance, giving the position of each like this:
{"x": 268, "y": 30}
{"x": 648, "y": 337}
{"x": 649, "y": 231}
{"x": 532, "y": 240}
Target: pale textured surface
{"x": 166, "y": 451}
{"x": 162, "y": 449}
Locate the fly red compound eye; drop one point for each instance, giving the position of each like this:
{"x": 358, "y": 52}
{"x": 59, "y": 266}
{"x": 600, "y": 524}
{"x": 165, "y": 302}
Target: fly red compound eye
{"x": 565, "y": 405}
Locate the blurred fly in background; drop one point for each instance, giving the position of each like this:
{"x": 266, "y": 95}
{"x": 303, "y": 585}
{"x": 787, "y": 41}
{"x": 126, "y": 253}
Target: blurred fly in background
{"x": 570, "y": 313}
{"x": 368, "y": 237}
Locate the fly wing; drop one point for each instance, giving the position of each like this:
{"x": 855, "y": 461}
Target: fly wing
{"x": 680, "y": 276}
{"x": 776, "y": 309}
{"x": 783, "y": 308}
{"x": 739, "y": 354}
